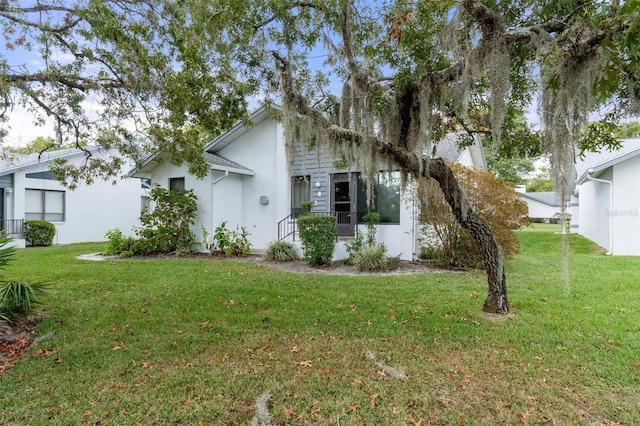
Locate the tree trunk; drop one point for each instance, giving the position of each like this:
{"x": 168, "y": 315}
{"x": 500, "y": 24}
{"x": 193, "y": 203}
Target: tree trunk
{"x": 496, "y": 301}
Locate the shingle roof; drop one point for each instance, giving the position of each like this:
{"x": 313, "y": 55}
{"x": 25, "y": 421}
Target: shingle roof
{"x": 10, "y": 162}
{"x": 549, "y": 198}
{"x": 448, "y": 148}
{"x": 599, "y": 161}
{"x": 218, "y": 162}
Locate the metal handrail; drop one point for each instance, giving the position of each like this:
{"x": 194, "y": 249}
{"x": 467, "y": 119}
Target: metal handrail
{"x": 12, "y": 227}
{"x": 289, "y": 225}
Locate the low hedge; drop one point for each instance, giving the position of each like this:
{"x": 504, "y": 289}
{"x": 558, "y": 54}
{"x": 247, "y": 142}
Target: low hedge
{"x": 318, "y": 235}
{"x": 39, "y": 232}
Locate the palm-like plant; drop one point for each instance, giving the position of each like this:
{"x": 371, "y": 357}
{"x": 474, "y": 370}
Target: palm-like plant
{"x": 16, "y": 299}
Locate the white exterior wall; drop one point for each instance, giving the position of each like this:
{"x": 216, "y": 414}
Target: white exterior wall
{"x": 261, "y": 149}
{"x": 626, "y": 207}
{"x": 538, "y": 209}
{"x": 594, "y": 211}
{"x": 90, "y": 210}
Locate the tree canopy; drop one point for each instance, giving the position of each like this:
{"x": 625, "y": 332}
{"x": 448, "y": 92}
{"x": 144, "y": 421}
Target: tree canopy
{"x": 377, "y": 81}
{"x": 120, "y": 73}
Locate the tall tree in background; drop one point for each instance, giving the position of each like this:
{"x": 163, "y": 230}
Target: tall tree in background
{"x": 380, "y": 82}
{"x": 120, "y": 73}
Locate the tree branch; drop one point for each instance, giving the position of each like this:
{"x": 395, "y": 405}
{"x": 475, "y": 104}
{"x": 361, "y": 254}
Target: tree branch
{"x": 293, "y": 5}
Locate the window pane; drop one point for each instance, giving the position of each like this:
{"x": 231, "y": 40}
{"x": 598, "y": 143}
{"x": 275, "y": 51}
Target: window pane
{"x": 54, "y": 217}
{"x": 33, "y": 216}
{"x": 389, "y": 197}
{"x": 300, "y": 191}
{"x": 54, "y": 202}
{"x": 34, "y": 201}
{"x": 176, "y": 184}
{"x": 362, "y": 207}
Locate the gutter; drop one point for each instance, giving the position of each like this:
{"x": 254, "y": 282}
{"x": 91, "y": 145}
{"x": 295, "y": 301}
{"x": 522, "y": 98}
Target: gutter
{"x": 610, "y": 183}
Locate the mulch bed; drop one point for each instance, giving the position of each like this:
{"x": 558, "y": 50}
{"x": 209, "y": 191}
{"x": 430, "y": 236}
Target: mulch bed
{"x": 15, "y": 340}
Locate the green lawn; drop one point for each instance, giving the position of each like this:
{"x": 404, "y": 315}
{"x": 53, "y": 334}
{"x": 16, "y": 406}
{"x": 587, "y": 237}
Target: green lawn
{"x": 196, "y": 341}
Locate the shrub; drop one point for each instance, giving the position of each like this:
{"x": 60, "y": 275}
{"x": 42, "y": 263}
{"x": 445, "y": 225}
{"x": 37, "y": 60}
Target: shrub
{"x": 227, "y": 242}
{"x": 18, "y": 300}
{"x": 353, "y": 246}
{"x": 115, "y": 238}
{"x": 371, "y": 259}
{"x": 374, "y": 259}
{"x": 497, "y": 204}
{"x": 318, "y": 235}
{"x": 167, "y": 228}
{"x": 39, "y": 232}
{"x": 371, "y": 219}
{"x": 281, "y": 251}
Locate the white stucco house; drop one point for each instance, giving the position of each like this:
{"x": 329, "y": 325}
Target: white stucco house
{"x": 609, "y": 189}
{"x": 29, "y": 191}
{"x": 250, "y": 184}
{"x": 547, "y": 206}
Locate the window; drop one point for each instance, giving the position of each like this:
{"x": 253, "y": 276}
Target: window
{"x": 44, "y": 205}
{"x": 41, "y": 175}
{"x": 176, "y": 184}
{"x": 300, "y": 193}
{"x": 385, "y": 198}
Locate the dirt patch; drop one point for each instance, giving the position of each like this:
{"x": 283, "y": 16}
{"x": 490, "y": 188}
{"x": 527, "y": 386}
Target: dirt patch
{"x": 296, "y": 266}
{"x": 15, "y": 340}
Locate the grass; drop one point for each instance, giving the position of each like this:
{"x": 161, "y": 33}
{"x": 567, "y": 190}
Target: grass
{"x": 197, "y": 341}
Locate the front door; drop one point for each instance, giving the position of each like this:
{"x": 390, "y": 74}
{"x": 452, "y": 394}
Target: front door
{"x": 343, "y": 203}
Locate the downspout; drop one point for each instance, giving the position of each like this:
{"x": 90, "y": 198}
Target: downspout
{"x": 226, "y": 174}
{"x": 610, "y": 183}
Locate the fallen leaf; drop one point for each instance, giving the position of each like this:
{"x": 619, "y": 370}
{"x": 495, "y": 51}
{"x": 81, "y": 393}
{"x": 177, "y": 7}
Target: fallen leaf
{"x": 288, "y": 413}
{"x": 307, "y": 363}
{"x": 43, "y": 353}
{"x": 353, "y": 408}
{"x": 373, "y": 401}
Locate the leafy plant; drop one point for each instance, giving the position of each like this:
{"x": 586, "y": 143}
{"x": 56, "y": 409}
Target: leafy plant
{"x": 307, "y": 206}
{"x": 281, "y": 251}
{"x": 7, "y": 252}
{"x": 226, "y": 241}
{"x": 354, "y": 245}
{"x": 370, "y": 259}
{"x": 167, "y": 227}
{"x": 115, "y": 239}
{"x": 19, "y": 299}
{"x": 495, "y": 202}
{"x": 374, "y": 258}
{"x": 318, "y": 235}
{"x": 39, "y": 232}
{"x": 371, "y": 219}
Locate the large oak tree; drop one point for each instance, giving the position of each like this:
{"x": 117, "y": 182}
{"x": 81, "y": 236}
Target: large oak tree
{"x": 381, "y": 82}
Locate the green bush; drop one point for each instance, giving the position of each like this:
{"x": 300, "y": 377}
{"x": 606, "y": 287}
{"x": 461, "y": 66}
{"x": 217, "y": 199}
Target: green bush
{"x": 374, "y": 258}
{"x": 281, "y": 251}
{"x": 115, "y": 238}
{"x": 227, "y": 242}
{"x": 353, "y": 246}
{"x": 167, "y": 228}
{"x": 318, "y": 235}
{"x": 39, "y": 232}
{"x": 18, "y": 300}
{"x": 370, "y": 259}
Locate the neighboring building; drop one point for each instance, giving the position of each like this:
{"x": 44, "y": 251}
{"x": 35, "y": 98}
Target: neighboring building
{"x": 546, "y": 206}
{"x": 609, "y": 189}
{"x": 251, "y": 185}
{"x": 29, "y": 191}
